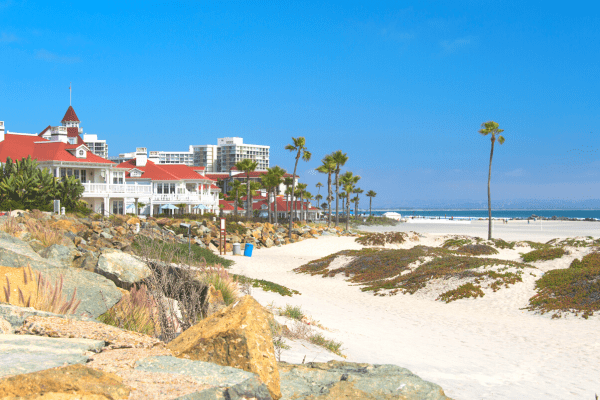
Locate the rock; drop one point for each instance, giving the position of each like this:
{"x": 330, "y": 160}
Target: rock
{"x": 87, "y": 261}
{"x": 16, "y": 316}
{"x": 97, "y": 294}
{"x": 133, "y": 221}
{"x": 215, "y": 301}
{"x": 122, "y": 268}
{"x": 36, "y": 245}
{"x": 106, "y": 235}
{"x": 343, "y": 380}
{"x": 120, "y": 230}
{"x": 61, "y": 255}
{"x": 64, "y": 225}
{"x": 22, "y": 354}
{"x": 70, "y": 383}
{"x": 5, "y": 327}
{"x": 233, "y": 383}
{"x": 268, "y": 242}
{"x": 239, "y": 336}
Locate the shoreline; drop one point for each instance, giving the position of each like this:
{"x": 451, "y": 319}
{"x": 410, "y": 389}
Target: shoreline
{"x": 485, "y": 348}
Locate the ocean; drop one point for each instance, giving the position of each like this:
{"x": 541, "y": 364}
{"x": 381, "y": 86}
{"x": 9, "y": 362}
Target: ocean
{"x": 479, "y": 213}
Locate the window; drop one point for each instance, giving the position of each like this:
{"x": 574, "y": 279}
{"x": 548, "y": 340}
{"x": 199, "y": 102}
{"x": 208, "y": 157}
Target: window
{"x": 117, "y": 206}
{"x": 69, "y": 172}
{"x": 71, "y": 140}
{"x": 172, "y": 188}
{"x": 76, "y": 174}
{"x": 83, "y": 178}
{"x": 159, "y": 188}
{"x": 63, "y": 173}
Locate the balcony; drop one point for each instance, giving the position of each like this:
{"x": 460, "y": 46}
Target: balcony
{"x": 181, "y": 198}
{"x": 95, "y": 189}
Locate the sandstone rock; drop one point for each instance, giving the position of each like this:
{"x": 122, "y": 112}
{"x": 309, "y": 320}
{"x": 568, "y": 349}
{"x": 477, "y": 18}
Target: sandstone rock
{"x": 22, "y": 354}
{"x": 133, "y": 221}
{"x": 106, "y": 235}
{"x": 120, "y": 230}
{"x": 64, "y": 225}
{"x": 215, "y": 301}
{"x": 343, "y": 380}
{"x": 16, "y": 316}
{"x": 5, "y": 327}
{"x": 70, "y": 382}
{"x": 239, "y": 336}
{"x": 122, "y": 268}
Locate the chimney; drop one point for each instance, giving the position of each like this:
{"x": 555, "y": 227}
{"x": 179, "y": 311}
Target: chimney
{"x": 58, "y": 134}
{"x": 141, "y": 156}
{"x": 1, "y": 131}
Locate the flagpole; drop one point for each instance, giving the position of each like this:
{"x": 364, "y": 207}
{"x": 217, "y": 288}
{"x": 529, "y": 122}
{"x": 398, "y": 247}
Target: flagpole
{"x": 69, "y": 93}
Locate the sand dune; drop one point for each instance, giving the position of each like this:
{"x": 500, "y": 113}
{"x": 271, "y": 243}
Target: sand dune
{"x": 485, "y": 348}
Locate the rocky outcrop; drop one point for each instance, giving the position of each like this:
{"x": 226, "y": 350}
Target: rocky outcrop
{"x": 239, "y": 336}
{"x": 66, "y": 383}
{"x": 59, "y": 254}
{"x": 122, "y": 268}
{"x": 25, "y": 353}
{"x": 343, "y": 380}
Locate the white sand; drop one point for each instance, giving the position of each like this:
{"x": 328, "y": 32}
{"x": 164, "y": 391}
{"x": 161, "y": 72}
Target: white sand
{"x": 485, "y": 348}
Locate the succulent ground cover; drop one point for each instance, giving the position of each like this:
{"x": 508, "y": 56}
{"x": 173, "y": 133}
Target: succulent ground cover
{"x": 380, "y": 239}
{"x": 575, "y": 289}
{"x": 586, "y": 241}
{"x": 398, "y": 271}
{"x": 267, "y": 286}
{"x": 544, "y": 254}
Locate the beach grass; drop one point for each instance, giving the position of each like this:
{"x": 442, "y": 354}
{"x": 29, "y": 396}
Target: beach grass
{"x": 544, "y": 254}
{"x": 380, "y": 239}
{"x": 267, "y": 286}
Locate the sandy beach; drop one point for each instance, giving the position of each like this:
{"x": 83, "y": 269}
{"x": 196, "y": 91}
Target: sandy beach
{"x": 485, "y": 348}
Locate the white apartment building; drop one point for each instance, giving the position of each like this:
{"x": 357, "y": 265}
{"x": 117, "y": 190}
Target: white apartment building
{"x": 205, "y": 156}
{"x": 172, "y": 157}
{"x": 231, "y": 150}
{"x": 98, "y": 147}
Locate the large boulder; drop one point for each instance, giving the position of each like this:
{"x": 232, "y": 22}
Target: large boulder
{"x": 22, "y": 354}
{"x": 68, "y": 383}
{"x": 97, "y": 294}
{"x": 343, "y": 380}
{"x": 61, "y": 255}
{"x": 238, "y": 336}
{"x": 122, "y": 268}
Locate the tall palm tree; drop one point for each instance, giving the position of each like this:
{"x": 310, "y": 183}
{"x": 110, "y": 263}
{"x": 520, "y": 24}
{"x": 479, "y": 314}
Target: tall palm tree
{"x": 340, "y": 159}
{"x": 318, "y": 198}
{"x": 328, "y": 167}
{"x": 299, "y": 147}
{"x": 319, "y": 185}
{"x": 370, "y": 195}
{"x": 348, "y": 181}
{"x": 308, "y": 196}
{"x": 356, "y": 199}
{"x": 487, "y": 128}
{"x": 278, "y": 174}
{"x": 301, "y": 190}
{"x": 247, "y": 166}
{"x": 234, "y": 192}
{"x": 267, "y": 181}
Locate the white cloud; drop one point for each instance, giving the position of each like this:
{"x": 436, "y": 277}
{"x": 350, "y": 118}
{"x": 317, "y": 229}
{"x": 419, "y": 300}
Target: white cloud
{"x": 45, "y": 55}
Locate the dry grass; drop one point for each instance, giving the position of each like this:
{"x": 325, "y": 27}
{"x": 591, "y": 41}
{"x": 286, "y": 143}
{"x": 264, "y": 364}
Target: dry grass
{"x": 42, "y": 231}
{"x": 11, "y": 226}
{"x": 219, "y": 277}
{"x": 136, "y": 311}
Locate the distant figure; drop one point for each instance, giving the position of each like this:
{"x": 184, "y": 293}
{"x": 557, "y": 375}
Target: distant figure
{"x": 528, "y": 222}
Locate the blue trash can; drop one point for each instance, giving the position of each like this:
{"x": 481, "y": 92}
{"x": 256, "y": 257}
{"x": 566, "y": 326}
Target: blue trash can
{"x": 248, "y": 249}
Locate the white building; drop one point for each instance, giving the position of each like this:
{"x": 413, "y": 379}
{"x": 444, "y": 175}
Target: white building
{"x": 98, "y": 147}
{"x": 205, "y": 156}
{"x": 231, "y": 150}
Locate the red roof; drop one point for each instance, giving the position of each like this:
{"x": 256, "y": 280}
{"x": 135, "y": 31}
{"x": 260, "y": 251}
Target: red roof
{"x": 70, "y": 115}
{"x": 21, "y": 146}
{"x": 163, "y": 172}
{"x": 228, "y": 205}
{"x": 215, "y": 187}
{"x": 44, "y": 131}
{"x": 282, "y": 205}
{"x": 74, "y": 132}
{"x": 254, "y": 174}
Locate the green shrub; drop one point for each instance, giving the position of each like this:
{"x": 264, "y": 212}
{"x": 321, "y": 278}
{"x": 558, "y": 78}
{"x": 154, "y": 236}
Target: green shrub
{"x": 477, "y": 249}
{"x": 456, "y": 243}
{"x": 544, "y": 254}
{"x": 380, "y": 239}
{"x": 267, "y": 286}
{"x": 163, "y": 251}
{"x": 329, "y": 344}
{"x": 575, "y": 289}
{"x": 221, "y": 280}
{"x": 461, "y": 292}
{"x": 502, "y": 244}
{"x": 134, "y": 312}
{"x": 293, "y": 312}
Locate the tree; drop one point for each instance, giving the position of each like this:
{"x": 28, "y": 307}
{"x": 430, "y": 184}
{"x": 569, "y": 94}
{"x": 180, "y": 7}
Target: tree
{"x": 308, "y": 196}
{"x": 279, "y": 173}
{"x": 319, "y": 185}
{"x": 299, "y": 147}
{"x": 356, "y": 199}
{"x": 236, "y": 187}
{"x": 487, "y": 128}
{"x": 247, "y": 166}
{"x": 254, "y": 188}
{"x": 328, "y": 167}
{"x": 267, "y": 181}
{"x": 370, "y": 195}
{"x": 318, "y": 198}
{"x": 301, "y": 190}
{"x": 340, "y": 159}
{"x": 348, "y": 181}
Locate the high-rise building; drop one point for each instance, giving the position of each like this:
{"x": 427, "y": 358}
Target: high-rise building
{"x": 205, "y": 156}
{"x": 231, "y": 150}
{"x": 98, "y": 147}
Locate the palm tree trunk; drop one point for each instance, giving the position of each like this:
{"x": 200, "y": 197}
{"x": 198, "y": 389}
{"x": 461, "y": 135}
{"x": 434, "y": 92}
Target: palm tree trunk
{"x": 489, "y": 196}
{"x": 329, "y": 199}
{"x": 235, "y": 202}
{"x": 370, "y": 203}
{"x": 275, "y": 206}
{"x": 269, "y": 205}
{"x": 347, "y": 210}
{"x": 337, "y": 195}
{"x": 293, "y": 189}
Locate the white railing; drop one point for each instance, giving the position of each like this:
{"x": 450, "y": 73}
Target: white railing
{"x": 103, "y": 188}
{"x": 178, "y": 197}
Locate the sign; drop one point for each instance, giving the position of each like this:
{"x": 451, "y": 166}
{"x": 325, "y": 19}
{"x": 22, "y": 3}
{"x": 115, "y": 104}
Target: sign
{"x": 57, "y": 206}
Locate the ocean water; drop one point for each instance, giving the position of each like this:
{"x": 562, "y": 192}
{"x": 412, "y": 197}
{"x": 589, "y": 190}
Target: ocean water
{"x": 479, "y": 213}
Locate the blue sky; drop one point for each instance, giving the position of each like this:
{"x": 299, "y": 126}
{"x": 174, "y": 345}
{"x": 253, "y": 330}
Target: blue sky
{"x": 401, "y": 87}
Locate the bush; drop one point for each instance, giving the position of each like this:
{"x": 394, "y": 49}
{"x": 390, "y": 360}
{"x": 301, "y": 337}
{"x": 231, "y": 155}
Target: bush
{"x": 544, "y": 254}
{"x": 293, "y": 312}
{"x": 380, "y": 239}
{"x": 477, "y": 249}
{"x": 267, "y": 286}
{"x": 42, "y": 231}
{"x": 575, "y": 289}
{"x": 461, "y": 292}
{"x": 136, "y": 311}
{"x": 221, "y": 280}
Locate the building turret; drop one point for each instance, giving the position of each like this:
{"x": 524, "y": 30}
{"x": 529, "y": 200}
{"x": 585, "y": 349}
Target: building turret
{"x": 70, "y": 119}
{"x": 59, "y": 134}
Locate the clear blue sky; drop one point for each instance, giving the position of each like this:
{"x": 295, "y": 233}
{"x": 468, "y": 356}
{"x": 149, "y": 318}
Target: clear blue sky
{"x": 402, "y": 87}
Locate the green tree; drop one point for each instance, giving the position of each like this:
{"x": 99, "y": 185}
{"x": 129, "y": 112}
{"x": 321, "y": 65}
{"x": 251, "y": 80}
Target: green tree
{"x": 348, "y": 180}
{"x": 370, "y": 195}
{"x": 340, "y": 160}
{"x": 328, "y": 167}
{"x": 247, "y": 166}
{"x": 298, "y": 146}
{"x": 279, "y": 173}
{"x": 236, "y": 187}
{"x": 308, "y": 197}
{"x": 318, "y": 198}
{"x": 301, "y": 190}
{"x": 356, "y": 199}
{"x": 488, "y": 128}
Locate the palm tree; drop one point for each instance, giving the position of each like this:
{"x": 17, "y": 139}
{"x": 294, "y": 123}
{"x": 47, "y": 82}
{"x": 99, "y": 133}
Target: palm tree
{"x": 268, "y": 182}
{"x": 487, "y": 128}
{"x": 328, "y": 167}
{"x": 278, "y": 174}
{"x": 370, "y": 195}
{"x": 299, "y": 147}
{"x": 236, "y": 187}
{"x": 247, "y": 166}
{"x": 318, "y": 198}
{"x": 301, "y": 190}
{"x": 348, "y": 180}
{"x": 356, "y": 200}
{"x": 340, "y": 159}
{"x": 319, "y": 185}
{"x": 308, "y": 196}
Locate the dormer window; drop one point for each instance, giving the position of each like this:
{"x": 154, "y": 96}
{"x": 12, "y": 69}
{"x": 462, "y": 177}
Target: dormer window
{"x": 72, "y": 140}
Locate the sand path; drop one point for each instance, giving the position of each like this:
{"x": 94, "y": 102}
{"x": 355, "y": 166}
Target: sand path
{"x": 475, "y": 349}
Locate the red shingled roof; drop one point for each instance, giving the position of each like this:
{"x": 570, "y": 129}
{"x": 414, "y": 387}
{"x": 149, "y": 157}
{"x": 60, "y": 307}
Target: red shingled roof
{"x": 282, "y": 205}
{"x": 20, "y": 146}
{"x": 70, "y": 115}
{"x": 74, "y": 132}
{"x": 163, "y": 172}
{"x": 44, "y": 131}
{"x": 228, "y": 205}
